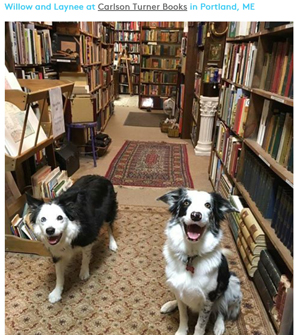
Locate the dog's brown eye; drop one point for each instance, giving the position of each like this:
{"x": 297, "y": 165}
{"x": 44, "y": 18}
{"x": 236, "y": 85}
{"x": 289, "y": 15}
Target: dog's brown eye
{"x": 186, "y": 203}
{"x": 59, "y": 217}
{"x": 208, "y": 205}
{"x": 43, "y": 219}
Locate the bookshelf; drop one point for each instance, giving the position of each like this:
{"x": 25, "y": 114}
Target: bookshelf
{"x": 39, "y": 91}
{"x": 160, "y": 57}
{"x": 93, "y": 44}
{"x": 127, "y": 37}
{"x": 253, "y": 133}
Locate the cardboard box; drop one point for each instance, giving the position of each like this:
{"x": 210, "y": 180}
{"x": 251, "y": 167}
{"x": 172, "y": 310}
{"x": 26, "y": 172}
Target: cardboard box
{"x": 83, "y": 109}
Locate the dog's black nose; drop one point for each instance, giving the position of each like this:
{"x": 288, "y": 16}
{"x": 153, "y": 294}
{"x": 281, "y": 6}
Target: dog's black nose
{"x": 196, "y": 216}
{"x": 50, "y": 231}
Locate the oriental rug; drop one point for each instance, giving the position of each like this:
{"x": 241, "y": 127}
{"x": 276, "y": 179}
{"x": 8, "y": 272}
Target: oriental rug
{"x": 125, "y": 290}
{"x": 151, "y": 164}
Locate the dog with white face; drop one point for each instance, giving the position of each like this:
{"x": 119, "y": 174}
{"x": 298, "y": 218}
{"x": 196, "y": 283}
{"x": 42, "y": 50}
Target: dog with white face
{"x": 196, "y": 268}
{"x": 71, "y": 223}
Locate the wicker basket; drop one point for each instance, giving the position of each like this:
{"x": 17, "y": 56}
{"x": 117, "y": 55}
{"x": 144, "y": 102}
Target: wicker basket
{"x": 173, "y": 132}
{"x": 164, "y": 126}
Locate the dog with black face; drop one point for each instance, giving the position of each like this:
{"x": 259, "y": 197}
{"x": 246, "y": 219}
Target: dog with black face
{"x": 196, "y": 268}
{"x": 71, "y": 223}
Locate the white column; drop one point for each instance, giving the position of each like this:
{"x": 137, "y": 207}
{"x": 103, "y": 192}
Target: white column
{"x": 208, "y": 108}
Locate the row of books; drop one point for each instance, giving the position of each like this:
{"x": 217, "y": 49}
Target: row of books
{"x": 225, "y": 187}
{"x": 106, "y": 34}
{"x": 234, "y": 218}
{"x": 158, "y": 90}
{"x": 159, "y": 77}
{"x": 134, "y": 68}
{"x": 160, "y": 50}
{"x": 107, "y": 94}
{"x": 242, "y": 28}
{"x": 89, "y": 50}
{"x": 93, "y": 28}
{"x": 234, "y": 107}
{"x": 160, "y": 63}
{"x": 127, "y": 26}
{"x": 239, "y": 62}
{"x": 125, "y": 89}
{"x": 282, "y": 221}
{"x": 272, "y": 286}
{"x": 277, "y": 72}
{"x": 37, "y": 72}
{"x": 127, "y": 36}
{"x": 107, "y": 75}
{"x": 163, "y": 24}
{"x": 275, "y": 134}
{"x": 107, "y": 56}
{"x": 162, "y": 36}
{"x": 260, "y": 182}
{"x": 212, "y": 75}
{"x": 201, "y": 33}
{"x": 131, "y": 47}
{"x": 216, "y": 170}
{"x": 29, "y": 45}
{"x": 47, "y": 183}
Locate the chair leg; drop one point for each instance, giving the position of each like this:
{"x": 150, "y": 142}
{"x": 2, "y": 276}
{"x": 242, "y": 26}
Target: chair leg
{"x": 93, "y": 145}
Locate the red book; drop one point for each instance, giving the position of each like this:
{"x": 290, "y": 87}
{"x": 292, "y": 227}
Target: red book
{"x": 238, "y": 115}
{"x": 289, "y": 79}
{"x": 277, "y": 66}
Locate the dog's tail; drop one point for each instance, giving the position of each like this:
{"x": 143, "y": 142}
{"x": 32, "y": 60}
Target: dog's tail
{"x": 169, "y": 307}
{"x": 227, "y": 253}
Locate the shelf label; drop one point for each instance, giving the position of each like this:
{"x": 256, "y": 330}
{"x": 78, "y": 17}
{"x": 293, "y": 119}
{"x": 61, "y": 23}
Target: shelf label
{"x": 289, "y": 183}
{"x": 267, "y": 163}
{"x": 277, "y": 99}
{"x": 63, "y": 61}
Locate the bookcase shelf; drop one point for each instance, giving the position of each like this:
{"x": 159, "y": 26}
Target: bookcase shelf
{"x": 266, "y": 226}
{"x": 256, "y": 111}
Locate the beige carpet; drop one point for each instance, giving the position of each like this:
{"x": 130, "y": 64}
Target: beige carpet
{"x": 124, "y": 293}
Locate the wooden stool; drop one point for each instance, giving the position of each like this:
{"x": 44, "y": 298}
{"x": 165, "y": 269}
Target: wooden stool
{"x": 85, "y": 125}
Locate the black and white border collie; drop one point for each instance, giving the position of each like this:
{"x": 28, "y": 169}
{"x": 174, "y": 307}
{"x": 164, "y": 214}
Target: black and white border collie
{"x": 196, "y": 268}
{"x": 72, "y": 221}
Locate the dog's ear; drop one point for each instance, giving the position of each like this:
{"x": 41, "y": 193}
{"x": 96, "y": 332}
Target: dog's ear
{"x": 172, "y": 197}
{"x": 32, "y": 202}
{"x": 221, "y": 206}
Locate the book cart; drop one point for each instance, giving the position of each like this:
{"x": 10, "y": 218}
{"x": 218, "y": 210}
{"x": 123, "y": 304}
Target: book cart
{"x": 39, "y": 91}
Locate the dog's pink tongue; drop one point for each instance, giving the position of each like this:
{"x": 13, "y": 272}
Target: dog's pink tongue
{"x": 194, "y": 231}
{"x": 54, "y": 239}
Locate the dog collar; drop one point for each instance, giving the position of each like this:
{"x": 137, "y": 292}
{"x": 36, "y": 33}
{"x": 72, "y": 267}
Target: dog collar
{"x": 189, "y": 266}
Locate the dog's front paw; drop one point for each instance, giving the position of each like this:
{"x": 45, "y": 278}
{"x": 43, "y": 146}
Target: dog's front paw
{"x": 181, "y": 332}
{"x": 219, "y": 328}
{"x": 54, "y": 296}
{"x": 84, "y": 275}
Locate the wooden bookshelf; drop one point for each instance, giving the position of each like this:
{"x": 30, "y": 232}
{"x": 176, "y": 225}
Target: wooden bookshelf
{"x": 160, "y": 56}
{"x": 266, "y": 94}
{"x": 130, "y": 41}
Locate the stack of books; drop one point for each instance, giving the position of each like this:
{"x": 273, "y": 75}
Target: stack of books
{"x": 21, "y": 226}
{"x": 234, "y": 108}
{"x": 272, "y": 286}
{"x": 277, "y": 72}
{"x": 49, "y": 184}
{"x": 251, "y": 240}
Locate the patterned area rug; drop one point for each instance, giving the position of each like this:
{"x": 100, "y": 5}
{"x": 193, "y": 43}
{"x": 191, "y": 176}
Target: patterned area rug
{"x": 151, "y": 164}
{"x": 124, "y": 293}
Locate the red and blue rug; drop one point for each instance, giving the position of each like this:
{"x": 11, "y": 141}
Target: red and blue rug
{"x": 151, "y": 164}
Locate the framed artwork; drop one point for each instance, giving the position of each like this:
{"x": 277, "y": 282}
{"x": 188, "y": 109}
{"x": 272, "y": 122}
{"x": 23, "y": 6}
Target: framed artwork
{"x": 215, "y": 52}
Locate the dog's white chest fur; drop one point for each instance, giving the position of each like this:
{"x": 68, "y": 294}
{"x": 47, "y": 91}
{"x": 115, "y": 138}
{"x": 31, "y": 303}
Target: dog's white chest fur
{"x": 191, "y": 288}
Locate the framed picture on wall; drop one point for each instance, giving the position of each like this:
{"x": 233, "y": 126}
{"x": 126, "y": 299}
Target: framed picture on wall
{"x": 214, "y": 54}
